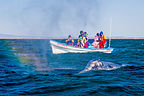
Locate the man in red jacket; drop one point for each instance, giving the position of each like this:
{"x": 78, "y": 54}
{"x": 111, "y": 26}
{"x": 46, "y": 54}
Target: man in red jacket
{"x": 102, "y": 40}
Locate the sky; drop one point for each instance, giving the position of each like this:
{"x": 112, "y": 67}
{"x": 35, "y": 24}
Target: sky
{"x": 60, "y": 18}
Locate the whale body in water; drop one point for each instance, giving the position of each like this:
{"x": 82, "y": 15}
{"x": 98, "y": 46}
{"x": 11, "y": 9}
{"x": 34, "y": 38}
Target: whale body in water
{"x": 100, "y": 65}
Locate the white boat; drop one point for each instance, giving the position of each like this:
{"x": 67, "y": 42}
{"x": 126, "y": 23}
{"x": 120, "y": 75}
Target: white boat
{"x": 58, "y": 48}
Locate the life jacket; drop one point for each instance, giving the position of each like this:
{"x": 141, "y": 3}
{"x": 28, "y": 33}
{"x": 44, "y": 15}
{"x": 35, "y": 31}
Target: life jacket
{"x": 103, "y": 41}
{"x": 104, "y": 36}
{"x": 70, "y": 42}
{"x": 83, "y": 39}
{"x": 86, "y": 44}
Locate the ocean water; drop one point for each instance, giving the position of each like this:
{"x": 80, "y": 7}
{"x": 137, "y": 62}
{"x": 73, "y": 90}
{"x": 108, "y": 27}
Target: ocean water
{"x": 28, "y": 67}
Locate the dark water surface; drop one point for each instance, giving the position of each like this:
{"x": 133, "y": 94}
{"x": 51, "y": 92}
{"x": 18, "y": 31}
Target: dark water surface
{"x": 28, "y": 67}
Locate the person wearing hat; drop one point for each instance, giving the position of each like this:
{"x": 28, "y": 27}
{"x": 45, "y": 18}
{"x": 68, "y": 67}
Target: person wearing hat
{"x": 70, "y": 41}
{"x": 102, "y": 40}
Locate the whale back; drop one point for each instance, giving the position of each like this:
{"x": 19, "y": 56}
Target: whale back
{"x": 100, "y": 65}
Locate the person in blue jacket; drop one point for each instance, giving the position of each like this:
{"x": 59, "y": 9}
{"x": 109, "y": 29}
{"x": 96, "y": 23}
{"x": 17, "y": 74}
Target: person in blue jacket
{"x": 70, "y": 41}
{"x": 81, "y": 33}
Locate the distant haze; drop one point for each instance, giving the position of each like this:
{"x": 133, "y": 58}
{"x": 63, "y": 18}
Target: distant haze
{"x": 59, "y": 18}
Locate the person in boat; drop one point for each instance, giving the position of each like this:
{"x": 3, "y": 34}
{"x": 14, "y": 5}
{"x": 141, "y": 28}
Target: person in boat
{"x": 81, "y": 33}
{"x": 81, "y": 41}
{"x": 87, "y": 44}
{"x": 102, "y": 40}
{"x": 85, "y": 35}
{"x": 69, "y": 41}
{"x": 96, "y": 41}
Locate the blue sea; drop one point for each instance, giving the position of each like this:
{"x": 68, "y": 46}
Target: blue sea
{"x": 29, "y": 68}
